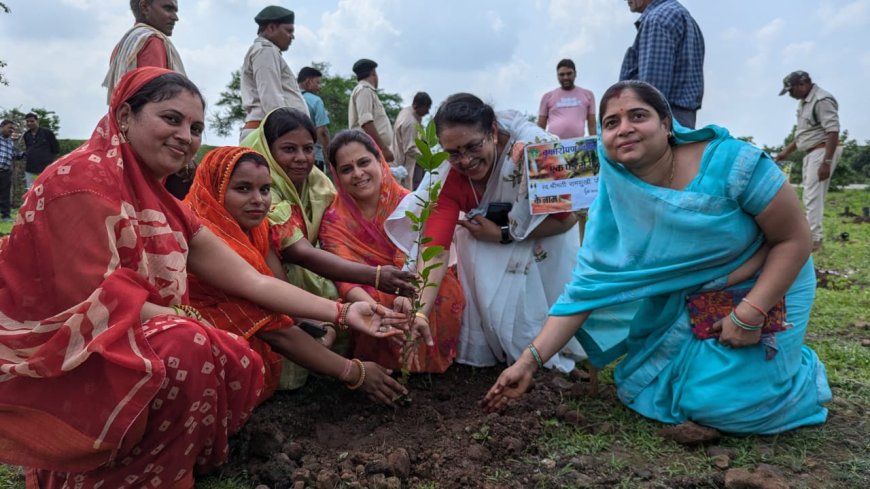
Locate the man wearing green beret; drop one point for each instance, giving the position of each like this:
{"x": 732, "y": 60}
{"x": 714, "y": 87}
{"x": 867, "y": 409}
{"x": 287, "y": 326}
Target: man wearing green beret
{"x": 267, "y": 81}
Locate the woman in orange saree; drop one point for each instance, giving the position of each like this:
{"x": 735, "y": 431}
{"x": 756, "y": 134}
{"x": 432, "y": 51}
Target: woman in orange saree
{"x": 231, "y": 195}
{"x": 353, "y": 228}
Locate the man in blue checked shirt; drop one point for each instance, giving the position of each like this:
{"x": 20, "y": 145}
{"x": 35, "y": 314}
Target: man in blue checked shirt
{"x": 668, "y": 53}
{"x": 7, "y": 154}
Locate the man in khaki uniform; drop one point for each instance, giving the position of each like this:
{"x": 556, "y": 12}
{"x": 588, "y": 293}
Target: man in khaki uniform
{"x": 366, "y": 112}
{"x": 817, "y": 133}
{"x": 267, "y": 81}
{"x": 404, "y": 145}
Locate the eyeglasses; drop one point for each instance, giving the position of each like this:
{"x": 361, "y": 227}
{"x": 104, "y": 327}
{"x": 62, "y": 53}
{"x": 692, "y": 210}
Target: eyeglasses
{"x": 471, "y": 150}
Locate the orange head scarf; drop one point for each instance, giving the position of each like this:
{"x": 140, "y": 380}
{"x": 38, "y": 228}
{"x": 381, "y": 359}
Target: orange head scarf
{"x": 206, "y": 198}
{"x": 370, "y": 232}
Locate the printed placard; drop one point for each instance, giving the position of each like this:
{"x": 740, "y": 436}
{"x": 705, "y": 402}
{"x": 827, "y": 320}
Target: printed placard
{"x": 562, "y": 175}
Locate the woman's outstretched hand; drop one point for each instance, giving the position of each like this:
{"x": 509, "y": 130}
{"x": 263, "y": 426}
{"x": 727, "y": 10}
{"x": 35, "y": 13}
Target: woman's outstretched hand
{"x": 396, "y": 282}
{"x": 380, "y": 387}
{"x": 376, "y": 320}
{"x": 419, "y": 326}
{"x": 513, "y": 382}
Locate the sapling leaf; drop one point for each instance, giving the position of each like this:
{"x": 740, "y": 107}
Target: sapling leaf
{"x": 431, "y": 252}
{"x": 439, "y": 157}
{"x": 431, "y": 137}
{"x": 425, "y": 152}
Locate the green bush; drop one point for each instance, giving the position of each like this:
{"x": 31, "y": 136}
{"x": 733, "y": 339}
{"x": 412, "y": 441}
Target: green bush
{"x": 68, "y": 145}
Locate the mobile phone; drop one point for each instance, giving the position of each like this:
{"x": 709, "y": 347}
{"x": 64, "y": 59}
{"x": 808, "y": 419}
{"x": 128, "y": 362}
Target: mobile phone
{"x": 497, "y": 212}
{"x": 313, "y": 329}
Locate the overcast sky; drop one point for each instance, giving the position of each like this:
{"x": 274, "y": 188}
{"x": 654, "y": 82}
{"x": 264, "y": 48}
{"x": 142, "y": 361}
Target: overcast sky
{"x": 502, "y": 50}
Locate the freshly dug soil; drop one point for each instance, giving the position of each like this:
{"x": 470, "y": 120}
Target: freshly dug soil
{"x": 326, "y": 436}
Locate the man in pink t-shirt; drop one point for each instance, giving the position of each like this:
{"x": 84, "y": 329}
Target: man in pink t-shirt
{"x": 564, "y": 110}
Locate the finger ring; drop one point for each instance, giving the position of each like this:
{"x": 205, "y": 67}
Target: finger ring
{"x": 504, "y": 398}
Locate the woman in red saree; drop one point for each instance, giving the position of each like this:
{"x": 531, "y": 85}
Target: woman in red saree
{"x": 103, "y": 381}
{"x": 353, "y": 228}
{"x": 231, "y": 195}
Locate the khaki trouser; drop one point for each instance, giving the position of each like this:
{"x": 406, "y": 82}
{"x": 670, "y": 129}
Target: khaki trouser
{"x": 814, "y": 190}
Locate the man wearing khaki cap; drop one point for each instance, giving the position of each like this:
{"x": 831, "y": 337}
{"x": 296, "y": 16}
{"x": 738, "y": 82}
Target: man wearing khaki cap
{"x": 818, "y": 134}
{"x": 365, "y": 110}
{"x": 267, "y": 81}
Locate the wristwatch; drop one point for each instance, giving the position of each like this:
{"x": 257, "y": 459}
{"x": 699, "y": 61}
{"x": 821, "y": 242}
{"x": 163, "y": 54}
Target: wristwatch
{"x": 506, "y": 237}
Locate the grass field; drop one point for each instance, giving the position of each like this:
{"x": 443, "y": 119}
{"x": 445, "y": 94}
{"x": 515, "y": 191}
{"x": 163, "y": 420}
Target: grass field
{"x": 835, "y": 455}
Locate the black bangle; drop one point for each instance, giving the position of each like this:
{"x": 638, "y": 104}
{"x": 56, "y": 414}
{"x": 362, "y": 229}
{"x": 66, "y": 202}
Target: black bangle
{"x": 506, "y": 237}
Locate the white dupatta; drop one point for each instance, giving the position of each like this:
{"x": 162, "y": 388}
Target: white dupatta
{"x": 509, "y": 288}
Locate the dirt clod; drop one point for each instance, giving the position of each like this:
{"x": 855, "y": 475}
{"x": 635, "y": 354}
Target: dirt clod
{"x": 561, "y": 383}
{"x": 689, "y": 433}
{"x": 583, "y": 463}
{"x": 479, "y": 453}
{"x": 570, "y": 416}
{"x": 327, "y": 479}
{"x": 399, "y": 463}
{"x": 762, "y": 478}
{"x": 721, "y": 461}
{"x": 511, "y": 445}
{"x": 294, "y": 451}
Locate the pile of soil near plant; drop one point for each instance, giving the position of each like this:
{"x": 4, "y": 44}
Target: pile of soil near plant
{"x": 327, "y": 436}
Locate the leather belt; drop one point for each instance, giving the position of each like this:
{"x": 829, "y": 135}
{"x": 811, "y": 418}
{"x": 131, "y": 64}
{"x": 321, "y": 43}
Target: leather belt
{"x": 256, "y": 124}
{"x": 820, "y": 146}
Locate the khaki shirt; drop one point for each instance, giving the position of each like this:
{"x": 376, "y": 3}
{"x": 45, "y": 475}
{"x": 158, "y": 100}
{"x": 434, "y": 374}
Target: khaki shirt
{"x": 404, "y": 146}
{"x": 816, "y": 116}
{"x": 267, "y": 82}
{"x": 365, "y": 106}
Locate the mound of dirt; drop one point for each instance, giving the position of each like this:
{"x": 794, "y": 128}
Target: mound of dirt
{"x": 326, "y": 436}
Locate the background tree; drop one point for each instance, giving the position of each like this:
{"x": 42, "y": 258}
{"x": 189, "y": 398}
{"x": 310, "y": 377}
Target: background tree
{"x": 3, "y": 81}
{"x": 231, "y": 115}
{"x": 47, "y": 118}
{"x": 334, "y": 90}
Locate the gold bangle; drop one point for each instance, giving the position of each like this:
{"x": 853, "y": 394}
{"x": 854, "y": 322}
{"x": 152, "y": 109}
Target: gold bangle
{"x": 191, "y": 312}
{"x": 186, "y": 311}
{"x": 422, "y": 316}
{"x": 342, "y": 318}
{"x": 377, "y": 277}
{"x": 362, "y": 375}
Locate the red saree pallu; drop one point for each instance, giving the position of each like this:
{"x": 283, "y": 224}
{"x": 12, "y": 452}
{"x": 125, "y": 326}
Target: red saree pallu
{"x": 88, "y": 393}
{"x": 346, "y": 232}
{"x": 229, "y": 313}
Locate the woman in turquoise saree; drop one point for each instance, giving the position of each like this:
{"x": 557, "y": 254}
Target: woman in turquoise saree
{"x": 682, "y": 212}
